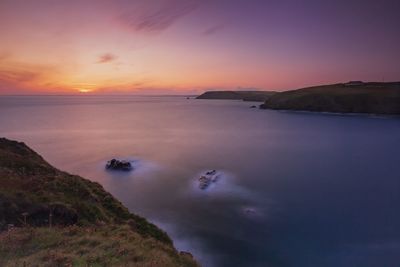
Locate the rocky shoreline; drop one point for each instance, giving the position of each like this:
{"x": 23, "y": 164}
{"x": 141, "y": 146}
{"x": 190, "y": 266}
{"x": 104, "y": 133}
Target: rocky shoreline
{"x": 119, "y": 165}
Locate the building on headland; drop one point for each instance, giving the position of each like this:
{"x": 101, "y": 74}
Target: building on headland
{"x": 354, "y": 83}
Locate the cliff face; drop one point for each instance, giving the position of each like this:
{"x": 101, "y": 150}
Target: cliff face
{"x": 36, "y": 195}
{"x": 373, "y": 98}
{"x": 257, "y": 96}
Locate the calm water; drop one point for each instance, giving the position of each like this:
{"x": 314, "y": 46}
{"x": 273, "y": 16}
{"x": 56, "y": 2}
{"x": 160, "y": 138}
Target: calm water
{"x": 298, "y": 189}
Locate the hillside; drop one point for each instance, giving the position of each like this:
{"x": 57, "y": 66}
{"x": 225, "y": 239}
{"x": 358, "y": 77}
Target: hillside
{"x": 256, "y": 96}
{"x": 44, "y": 205}
{"x": 372, "y": 98}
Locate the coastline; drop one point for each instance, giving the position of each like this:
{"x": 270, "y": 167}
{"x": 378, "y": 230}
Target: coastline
{"x": 331, "y": 113}
{"x": 41, "y": 204}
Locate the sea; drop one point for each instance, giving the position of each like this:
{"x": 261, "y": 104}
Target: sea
{"x": 294, "y": 189}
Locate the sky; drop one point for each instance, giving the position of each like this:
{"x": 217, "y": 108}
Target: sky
{"x": 189, "y": 46}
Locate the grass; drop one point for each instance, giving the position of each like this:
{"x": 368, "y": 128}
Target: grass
{"x": 109, "y": 245}
{"x": 89, "y": 226}
{"x": 28, "y": 184}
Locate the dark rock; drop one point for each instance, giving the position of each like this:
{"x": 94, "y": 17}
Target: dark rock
{"x": 208, "y": 178}
{"x": 253, "y": 106}
{"x": 120, "y": 165}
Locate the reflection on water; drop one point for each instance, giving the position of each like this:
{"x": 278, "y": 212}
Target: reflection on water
{"x": 297, "y": 190}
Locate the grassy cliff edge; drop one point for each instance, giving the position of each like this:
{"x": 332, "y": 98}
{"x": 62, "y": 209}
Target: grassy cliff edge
{"x": 89, "y": 227}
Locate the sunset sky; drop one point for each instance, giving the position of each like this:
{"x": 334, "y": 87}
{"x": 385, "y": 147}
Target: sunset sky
{"x": 188, "y": 46}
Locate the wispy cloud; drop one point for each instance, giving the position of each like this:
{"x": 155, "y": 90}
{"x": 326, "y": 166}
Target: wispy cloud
{"x": 4, "y": 56}
{"x": 213, "y": 30}
{"x": 18, "y": 75}
{"x": 106, "y": 58}
{"x": 24, "y": 77}
{"x": 157, "y": 18}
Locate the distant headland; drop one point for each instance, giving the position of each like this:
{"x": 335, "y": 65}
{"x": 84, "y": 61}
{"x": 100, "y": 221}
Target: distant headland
{"x": 256, "y": 96}
{"x": 349, "y": 97}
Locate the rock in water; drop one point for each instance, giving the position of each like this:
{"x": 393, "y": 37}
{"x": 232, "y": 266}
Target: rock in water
{"x": 206, "y": 179}
{"x": 119, "y": 165}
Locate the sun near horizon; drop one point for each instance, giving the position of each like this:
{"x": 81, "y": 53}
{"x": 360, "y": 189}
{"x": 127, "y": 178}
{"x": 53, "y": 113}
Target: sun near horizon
{"x": 189, "y": 46}
{"x": 188, "y": 133}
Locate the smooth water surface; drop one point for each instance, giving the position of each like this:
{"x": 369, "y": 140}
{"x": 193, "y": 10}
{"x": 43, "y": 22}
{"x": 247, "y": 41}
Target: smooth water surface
{"x": 298, "y": 189}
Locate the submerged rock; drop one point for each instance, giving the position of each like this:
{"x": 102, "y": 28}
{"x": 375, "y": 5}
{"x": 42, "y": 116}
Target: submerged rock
{"x": 252, "y": 212}
{"x": 208, "y": 178}
{"x": 249, "y": 210}
{"x": 119, "y": 165}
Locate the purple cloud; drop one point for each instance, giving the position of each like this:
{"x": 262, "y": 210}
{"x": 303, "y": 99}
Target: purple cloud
{"x": 18, "y": 75}
{"x": 212, "y": 30}
{"x": 158, "y": 18}
{"x": 106, "y": 58}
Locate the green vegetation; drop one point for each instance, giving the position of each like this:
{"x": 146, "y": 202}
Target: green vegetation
{"x": 34, "y": 196}
{"x": 109, "y": 245}
{"x": 256, "y": 96}
{"x": 357, "y": 97}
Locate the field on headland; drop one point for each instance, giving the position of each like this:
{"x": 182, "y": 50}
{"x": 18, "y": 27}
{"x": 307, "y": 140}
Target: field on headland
{"x": 357, "y": 97}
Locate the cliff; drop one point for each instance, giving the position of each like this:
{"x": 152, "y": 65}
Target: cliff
{"x": 52, "y": 218}
{"x": 256, "y": 96}
{"x": 356, "y": 97}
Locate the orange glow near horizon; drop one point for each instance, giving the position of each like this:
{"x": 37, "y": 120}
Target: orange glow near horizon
{"x": 85, "y": 90}
{"x": 170, "y": 46}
